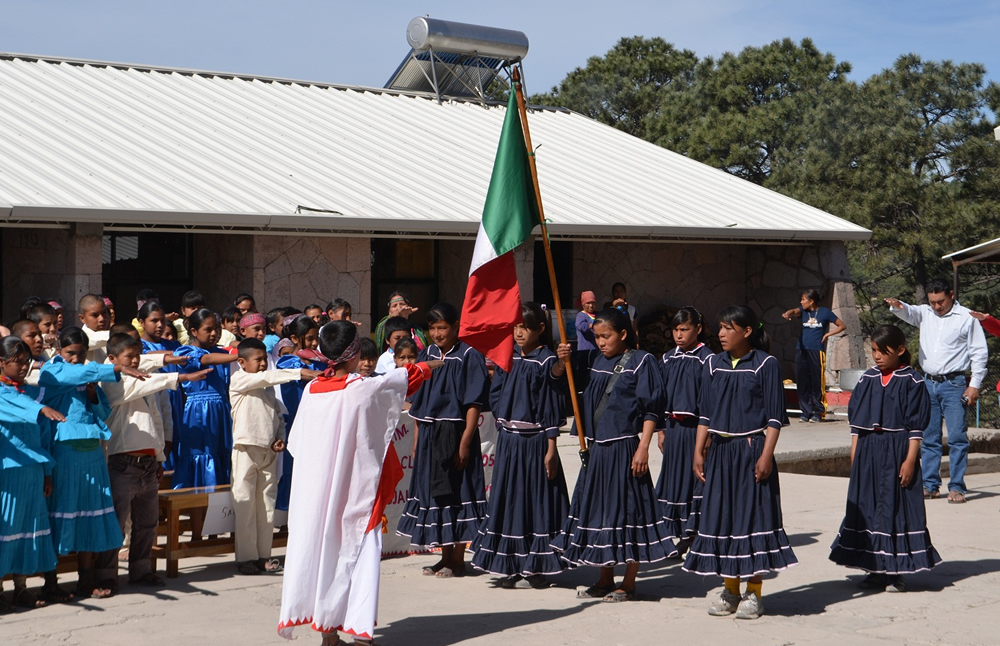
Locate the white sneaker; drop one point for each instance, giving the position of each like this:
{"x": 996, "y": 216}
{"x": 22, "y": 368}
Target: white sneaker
{"x": 752, "y": 607}
{"x": 725, "y": 605}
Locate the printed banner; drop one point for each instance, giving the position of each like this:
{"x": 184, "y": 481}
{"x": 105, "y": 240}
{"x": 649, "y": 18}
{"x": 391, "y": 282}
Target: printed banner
{"x": 392, "y": 543}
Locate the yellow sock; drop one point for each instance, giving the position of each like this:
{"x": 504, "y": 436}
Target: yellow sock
{"x": 732, "y": 586}
{"x": 755, "y": 588}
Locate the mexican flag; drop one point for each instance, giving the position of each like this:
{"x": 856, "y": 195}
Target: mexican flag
{"x": 492, "y": 299}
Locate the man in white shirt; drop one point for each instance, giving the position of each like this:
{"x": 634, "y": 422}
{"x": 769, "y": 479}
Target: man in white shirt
{"x": 951, "y": 342}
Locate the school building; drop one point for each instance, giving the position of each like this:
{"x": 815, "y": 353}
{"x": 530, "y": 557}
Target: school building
{"x": 120, "y": 176}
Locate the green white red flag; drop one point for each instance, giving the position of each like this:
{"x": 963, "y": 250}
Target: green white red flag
{"x": 492, "y": 304}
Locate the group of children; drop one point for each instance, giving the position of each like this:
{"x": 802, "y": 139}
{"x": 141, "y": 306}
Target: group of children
{"x": 716, "y": 502}
{"x": 92, "y": 415}
{"x": 80, "y": 464}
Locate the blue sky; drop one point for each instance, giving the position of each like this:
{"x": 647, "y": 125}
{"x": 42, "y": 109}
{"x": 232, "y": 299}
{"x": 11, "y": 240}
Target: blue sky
{"x": 361, "y": 43}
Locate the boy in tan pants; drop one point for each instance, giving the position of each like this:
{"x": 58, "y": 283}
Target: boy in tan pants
{"x": 258, "y": 437}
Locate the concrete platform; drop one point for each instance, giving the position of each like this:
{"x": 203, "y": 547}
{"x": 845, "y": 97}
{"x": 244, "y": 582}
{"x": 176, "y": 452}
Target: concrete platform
{"x": 814, "y": 603}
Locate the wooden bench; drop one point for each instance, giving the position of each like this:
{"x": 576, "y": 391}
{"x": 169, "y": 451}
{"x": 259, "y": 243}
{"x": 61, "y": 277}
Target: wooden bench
{"x": 192, "y": 503}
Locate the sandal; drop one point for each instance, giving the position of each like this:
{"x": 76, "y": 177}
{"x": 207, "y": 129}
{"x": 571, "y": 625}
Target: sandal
{"x": 617, "y": 596}
{"x": 956, "y": 497}
{"x": 594, "y": 592}
{"x": 930, "y": 494}
{"x": 24, "y": 599}
{"x": 270, "y": 566}
{"x": 431, "y": 570}
{"x": 55, "y": 594}
{"x": 450, "y": 573}
{"x": 248, "y": 567}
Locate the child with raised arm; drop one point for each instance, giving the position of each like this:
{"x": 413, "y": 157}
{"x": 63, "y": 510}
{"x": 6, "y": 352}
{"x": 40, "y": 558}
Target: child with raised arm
{"x": 447, "y": 489}
{"x": 304, "y": 334}
{"x": 742, "y": 409}
{"x": 885, "y": 531}
{"x": 347, "y": 471}
{"x": 81, "y": 508}
{"x": 140, "y": 437}
{"x": 613, "y": 518}
{"x": 258, "y": 438}
{"x": 25, "y": 467}
{"x": 528, "y": 500}
{"x": 204, "y": 455}
{"x": 678, "y": 491}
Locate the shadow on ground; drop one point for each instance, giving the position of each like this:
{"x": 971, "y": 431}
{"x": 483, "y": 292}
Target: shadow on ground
{"x": 815, "y": 598}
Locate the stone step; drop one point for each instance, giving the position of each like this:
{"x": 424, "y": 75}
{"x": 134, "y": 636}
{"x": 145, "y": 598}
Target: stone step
{"x": 976, "y": 463}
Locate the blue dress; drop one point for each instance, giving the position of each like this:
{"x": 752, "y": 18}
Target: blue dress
{"x": 176, "y": 395}
{"x": 291, "y": 395}
{"x": 446, "y": 506}
{"x": 25, "y": 534}
{"x": 614, "y": 518}
{"x": 526, "y": 510}
{"x": 885, "y": 526}
{"x": 740, "y": 533}
{"x": 81, "y": 509}
{"x": 205, "y": 434}
{"x": 678, "y": 491}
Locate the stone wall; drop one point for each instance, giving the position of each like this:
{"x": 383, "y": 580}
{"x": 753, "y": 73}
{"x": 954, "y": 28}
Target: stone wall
{"x": 777, "y": 276}
{"x": 285, "y": 270}
{"x": 51, "y": 263}
{"x": 707, "y": 276}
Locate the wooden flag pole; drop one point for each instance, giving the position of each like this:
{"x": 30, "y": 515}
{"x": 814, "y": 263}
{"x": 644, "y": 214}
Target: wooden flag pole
{"x": 516, "y": 77}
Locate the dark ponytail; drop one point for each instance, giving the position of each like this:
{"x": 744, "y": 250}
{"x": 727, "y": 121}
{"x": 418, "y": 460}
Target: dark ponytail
{"x": 148, "y": 308}
{"x": 890, "y": 336}
{"x": 198, "y": 318}
{"x": 691, "y": 316}
{"x": 11, "y": 347}
{"x": 536, "y": 319}
{"x": 743, "y": 317}
{"x": 73, "y": 335}
{"x": 618, "y": 321}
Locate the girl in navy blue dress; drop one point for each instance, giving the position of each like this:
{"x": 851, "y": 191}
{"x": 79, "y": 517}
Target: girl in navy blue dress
{"x": 678, "y": 491}
{"x": 528, "y": 500}
{"x": 885, "y": 531}
{"x": 205, "y": 434}
{"x": 304, "y": 334}
{"x": 613, "y": 518}
{"x": 447, "y": 491}
{"x": 742, "y": 410}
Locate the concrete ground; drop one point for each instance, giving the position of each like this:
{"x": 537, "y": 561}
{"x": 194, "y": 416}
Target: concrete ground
{"x": 815, "y": 602}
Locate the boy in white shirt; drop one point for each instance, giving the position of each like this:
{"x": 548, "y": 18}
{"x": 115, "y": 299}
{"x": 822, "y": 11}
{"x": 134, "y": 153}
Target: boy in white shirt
{"x": 396, "y": 328}
{"x": 141, "y": 432}
{"x": 258, "y": 437}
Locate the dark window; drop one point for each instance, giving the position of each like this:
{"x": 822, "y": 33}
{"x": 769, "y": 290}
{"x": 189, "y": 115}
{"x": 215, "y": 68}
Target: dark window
{"x": 409, "y": 266}
{"x": 159, "y": 261}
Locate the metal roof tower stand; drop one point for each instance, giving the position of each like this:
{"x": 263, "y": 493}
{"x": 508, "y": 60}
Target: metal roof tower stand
{"x": 454, "y": 59}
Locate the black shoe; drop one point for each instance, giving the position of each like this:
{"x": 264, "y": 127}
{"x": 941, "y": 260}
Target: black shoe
{"x": 874, "y": 581}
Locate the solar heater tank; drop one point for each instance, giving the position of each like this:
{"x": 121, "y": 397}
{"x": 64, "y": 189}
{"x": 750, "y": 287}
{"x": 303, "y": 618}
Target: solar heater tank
{"x": 460, "y": 38}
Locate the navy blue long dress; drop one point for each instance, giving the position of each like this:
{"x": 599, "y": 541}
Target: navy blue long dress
{"x": 446, "y": 506}
{"x": 613, "y": 517}
{"x": 885, "y": 525}
{"x": 526, "y": 509}
{"x": 740, "y": 531}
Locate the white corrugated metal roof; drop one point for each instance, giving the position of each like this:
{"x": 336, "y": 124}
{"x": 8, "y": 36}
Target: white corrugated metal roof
{"x": 132, "y": 145}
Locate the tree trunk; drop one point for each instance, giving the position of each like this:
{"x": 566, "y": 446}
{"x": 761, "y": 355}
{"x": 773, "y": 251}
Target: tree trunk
{"x": 919, "y": 275}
